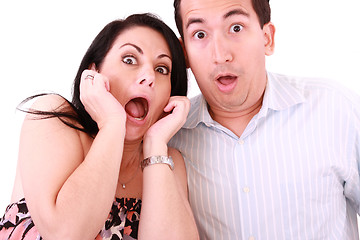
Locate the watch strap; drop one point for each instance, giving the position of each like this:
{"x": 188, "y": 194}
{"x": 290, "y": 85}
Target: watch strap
{"x": 157, "y": 159}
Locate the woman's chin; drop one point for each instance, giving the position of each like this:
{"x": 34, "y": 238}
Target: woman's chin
{"x": 135, "y": 134}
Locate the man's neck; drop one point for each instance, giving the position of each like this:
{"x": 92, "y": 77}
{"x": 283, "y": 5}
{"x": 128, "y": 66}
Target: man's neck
{"x": 236, "y": 121}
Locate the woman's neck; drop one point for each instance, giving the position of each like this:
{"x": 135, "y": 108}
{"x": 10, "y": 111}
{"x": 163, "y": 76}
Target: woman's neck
{"x": 132, "y": 155}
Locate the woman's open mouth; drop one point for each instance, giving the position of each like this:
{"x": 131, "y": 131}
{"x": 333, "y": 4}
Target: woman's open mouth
{"x": 137, "y": 108}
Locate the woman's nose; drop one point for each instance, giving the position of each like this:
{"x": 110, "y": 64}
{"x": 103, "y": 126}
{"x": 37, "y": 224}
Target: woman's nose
{"x": 147, "y": 77}
{"x": 147, "y": 81}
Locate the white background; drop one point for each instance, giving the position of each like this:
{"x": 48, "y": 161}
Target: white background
{"x": 42, "y": 43}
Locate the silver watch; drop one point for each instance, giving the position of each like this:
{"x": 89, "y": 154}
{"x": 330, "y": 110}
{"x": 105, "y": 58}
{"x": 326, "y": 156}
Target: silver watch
{"x": 157, "y": 159}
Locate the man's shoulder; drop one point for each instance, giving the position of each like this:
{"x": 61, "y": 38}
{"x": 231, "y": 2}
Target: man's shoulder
{"x": 327, "y": 94}
{"x": 314, "y": 85}
{"x": 198, "y": 103}
{"x": 304, "y": 82}
{"x": 196, "y": 100}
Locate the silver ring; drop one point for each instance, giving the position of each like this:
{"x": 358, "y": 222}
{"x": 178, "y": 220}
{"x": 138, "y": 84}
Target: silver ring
{"x": 91, "y": 77}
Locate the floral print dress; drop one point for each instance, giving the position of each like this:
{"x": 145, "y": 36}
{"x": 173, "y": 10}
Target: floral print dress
{"x": 122, "y": 222}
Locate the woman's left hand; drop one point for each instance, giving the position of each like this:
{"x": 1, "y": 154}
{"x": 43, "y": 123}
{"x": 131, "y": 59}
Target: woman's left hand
{"x": 159, "y": 134}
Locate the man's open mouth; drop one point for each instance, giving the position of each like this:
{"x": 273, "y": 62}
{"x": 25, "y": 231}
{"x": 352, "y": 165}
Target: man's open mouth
{"x": 226, "y": 80}
{"x": 137, "y": 108}
{"x": 226, "y": 83}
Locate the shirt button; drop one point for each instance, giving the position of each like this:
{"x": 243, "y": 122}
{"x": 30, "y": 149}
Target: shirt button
{"x": 251, "y": 238}
{"x": 241, "y": 142}
{"x": 246, "y": 190}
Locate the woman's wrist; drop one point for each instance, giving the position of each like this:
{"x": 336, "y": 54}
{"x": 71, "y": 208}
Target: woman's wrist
{"x": 151, "y": 147}
{"x": 114, "y": 123}
{"x": 157, "y": 160}
{"x": 117, "y": 129}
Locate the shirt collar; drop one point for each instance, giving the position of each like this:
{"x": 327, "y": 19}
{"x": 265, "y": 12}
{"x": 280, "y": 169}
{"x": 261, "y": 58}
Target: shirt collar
{"x": 198, "y": 113}
{"x": 280, "y": 94}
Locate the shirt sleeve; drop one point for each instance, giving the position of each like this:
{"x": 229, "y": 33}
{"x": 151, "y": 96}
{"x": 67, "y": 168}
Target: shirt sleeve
{"x": 352, "y": 185}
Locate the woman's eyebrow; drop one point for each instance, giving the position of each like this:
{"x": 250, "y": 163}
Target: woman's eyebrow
{"x": 164, "y": 55}
{"x": 133, "y": 45}
{"x": 141, "y": 51}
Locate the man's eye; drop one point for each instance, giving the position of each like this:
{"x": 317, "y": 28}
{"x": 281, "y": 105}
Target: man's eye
{"x": 200, "y": 35}
{"x": 163, "y": 70}
{"x": 129, "y": 60}
{"x": 236, "y": 28}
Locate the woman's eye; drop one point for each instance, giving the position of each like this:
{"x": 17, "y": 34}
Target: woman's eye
{"x": 129, "y": 60}
{"x": 163, "y": 70}
{"x": 236, "y": 28}
{"x": 200, "y": 35}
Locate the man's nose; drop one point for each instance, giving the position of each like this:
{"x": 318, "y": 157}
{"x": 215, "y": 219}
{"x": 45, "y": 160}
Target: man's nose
{"x": 221, "y": 50}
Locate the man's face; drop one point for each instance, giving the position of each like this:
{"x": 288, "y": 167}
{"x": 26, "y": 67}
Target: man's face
{"x": 226, "y": 49}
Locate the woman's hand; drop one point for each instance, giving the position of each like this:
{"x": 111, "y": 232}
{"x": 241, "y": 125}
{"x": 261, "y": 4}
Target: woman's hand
{"x": 95, "y": 95}
{"x": 165, "y": 190}
{"x": 159, "y": 134}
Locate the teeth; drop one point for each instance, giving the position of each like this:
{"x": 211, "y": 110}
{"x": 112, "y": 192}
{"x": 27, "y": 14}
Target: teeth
{"x": 137, "y": 108}
{"x": 142, "y": 118}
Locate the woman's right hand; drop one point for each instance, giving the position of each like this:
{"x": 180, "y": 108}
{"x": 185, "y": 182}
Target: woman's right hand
{"x": 61, "y": 191}
{"x": 95, "y": 95}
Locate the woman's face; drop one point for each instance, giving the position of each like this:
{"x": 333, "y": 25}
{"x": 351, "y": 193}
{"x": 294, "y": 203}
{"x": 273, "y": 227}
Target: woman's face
{"x": 138, "y": 67}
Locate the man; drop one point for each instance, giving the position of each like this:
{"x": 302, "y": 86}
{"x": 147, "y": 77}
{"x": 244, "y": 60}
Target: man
{"x": 268, "y": 156}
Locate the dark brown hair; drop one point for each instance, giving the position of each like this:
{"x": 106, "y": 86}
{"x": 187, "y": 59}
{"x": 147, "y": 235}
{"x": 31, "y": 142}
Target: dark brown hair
{"x": 74, "y": 111}
{"x": 261, "y": 7}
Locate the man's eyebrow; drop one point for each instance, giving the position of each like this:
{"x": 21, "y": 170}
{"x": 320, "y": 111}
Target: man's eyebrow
{"x": 238, "y": 11}
{"x": 133, "y": 45}
{"x": 194, "y": 20}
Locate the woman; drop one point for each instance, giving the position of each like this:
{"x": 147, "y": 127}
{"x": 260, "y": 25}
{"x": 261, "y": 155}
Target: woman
{"x": 80, "y": 164}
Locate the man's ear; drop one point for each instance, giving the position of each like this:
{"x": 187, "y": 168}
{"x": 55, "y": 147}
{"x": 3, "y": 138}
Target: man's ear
{"x": 185, "y": 53}
{"x": 269, "y": 37}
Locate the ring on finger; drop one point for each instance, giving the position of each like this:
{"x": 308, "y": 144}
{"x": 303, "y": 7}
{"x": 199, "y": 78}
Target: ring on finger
{"x": 91, "y": 77}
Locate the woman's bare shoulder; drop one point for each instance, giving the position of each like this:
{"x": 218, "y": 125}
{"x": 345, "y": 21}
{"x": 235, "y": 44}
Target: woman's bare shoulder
{"x": 47, "y": 102}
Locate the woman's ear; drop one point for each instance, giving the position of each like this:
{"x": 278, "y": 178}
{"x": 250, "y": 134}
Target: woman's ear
{"x": 93, "y": 67}
{"x": 269, "y": 37}
{"x": 185, "y": 54}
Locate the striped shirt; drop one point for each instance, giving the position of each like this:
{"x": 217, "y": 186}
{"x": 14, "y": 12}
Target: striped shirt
{"x": 293, "y": 173}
